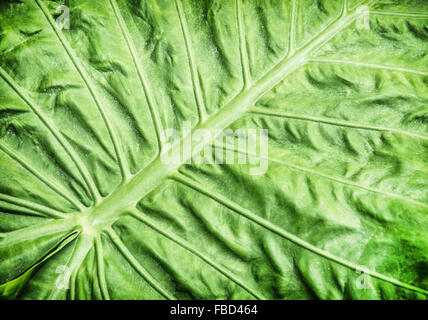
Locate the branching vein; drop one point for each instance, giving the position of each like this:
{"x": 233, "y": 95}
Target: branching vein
{"x": 399, "y": 14}
{"x": 330, "y": 121}
{"x": 35, "y": 232}
{"x": 242, "y": 45}
{"x": 367, "y": 65}
{"x": 136, "y": 265}
{"x": 62, "y": 192}
{"x": 332, "y": 178}
{"x": 292, "y": 32}
{"x": 146, "y": 88}
{"x": 182, "y": 243}
{"x": 100, "y": 268}
{"x": 192, "y": 65}
{"x": 124, "y": 169}
{"x": 32, "y": 207}
{"x": 55, "y": 132}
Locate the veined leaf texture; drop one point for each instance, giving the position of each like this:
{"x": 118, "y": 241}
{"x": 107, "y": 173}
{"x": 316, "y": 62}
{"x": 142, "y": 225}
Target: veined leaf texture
{"x": 89, "y": 210}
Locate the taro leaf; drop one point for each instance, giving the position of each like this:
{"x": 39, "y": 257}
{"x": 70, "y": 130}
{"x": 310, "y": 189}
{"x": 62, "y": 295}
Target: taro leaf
{"x": 89, "y": 208}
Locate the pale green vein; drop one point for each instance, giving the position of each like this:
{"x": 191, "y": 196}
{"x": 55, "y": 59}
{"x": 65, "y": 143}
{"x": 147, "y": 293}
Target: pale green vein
{"x": 182, "y": 243}
{"x": 17, "y": 46}
{"x": 289, "y": 236}
{"x": 124, "y": 169}
{"x": 56, "y": 134}
{"x": 292, "y": 32}
{"x": 242, "y": 45}
{"x": 340, "y": 22}
{"x": 344, "y": 20}
{"x": 136, "y": 265}
{"x": 31, "y": 207}
{"x": 368, "y": 3}
{"x": 329, "y": 177}
{"x": 192, "y": 65}
{"x": 399, "y": 14}
{"x": 80, "y": 251}
{"x": 139, "y": 69}
{"x": 100, "y": 268}
{"x": 83, "y": 246}
{"x": 330, "y": 121}
{"x": 367, "y": 65}
{"x": 50, "y": 183}
{"x": 35, "y": 232}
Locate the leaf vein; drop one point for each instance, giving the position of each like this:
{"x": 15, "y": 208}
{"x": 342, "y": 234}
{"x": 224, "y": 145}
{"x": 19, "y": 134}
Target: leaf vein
{"x": 182, "y": 243}
{"x": 146, "y": 88}
{"x": 47, "y": 181}
{"x": 368, "y": 65}
{"x": 136, "y": 265}
{"x": 32, "y": 206}
{"x": 330, "y": 121}
{"x": 191, "y": 61}
{"x": 118, "y": 151}
{"x": 100, "y": 268}
{"x": 332, "y": 178}
{"x": 56, "y": 134}
{"x": 399, "y": 14}
{"x": 242, "y": 45}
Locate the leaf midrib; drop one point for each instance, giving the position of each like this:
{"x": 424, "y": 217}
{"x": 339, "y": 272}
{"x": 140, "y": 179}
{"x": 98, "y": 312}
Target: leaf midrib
{"x": 130, "y": 192}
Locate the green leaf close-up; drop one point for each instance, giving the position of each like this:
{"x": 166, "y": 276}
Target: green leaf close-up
{"x": 90, "y": 208}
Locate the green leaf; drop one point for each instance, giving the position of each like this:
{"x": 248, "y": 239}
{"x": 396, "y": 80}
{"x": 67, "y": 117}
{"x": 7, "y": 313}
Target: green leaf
{"x": 90, "y": 209}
